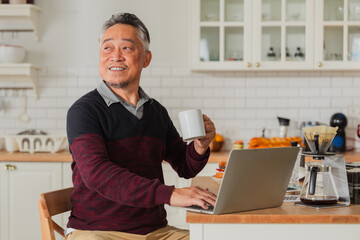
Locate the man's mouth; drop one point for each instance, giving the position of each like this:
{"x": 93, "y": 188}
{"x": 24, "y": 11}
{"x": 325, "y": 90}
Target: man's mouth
{"x": 117, "y": 68}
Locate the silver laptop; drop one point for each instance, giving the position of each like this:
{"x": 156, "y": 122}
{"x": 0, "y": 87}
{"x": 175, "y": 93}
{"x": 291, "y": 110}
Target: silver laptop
{"x": 253, "y": 179}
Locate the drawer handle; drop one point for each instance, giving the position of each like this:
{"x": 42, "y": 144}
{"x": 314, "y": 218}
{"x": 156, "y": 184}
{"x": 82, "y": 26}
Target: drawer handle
{"x": 257, "y": 64}
{"x": 320, "y": 64}
{"x": 10, "y": 167}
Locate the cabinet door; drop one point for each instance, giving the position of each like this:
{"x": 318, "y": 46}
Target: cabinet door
{"x": 21, "y": 185}
{"x": 221, "y": 34}
{"x": 283, "y": 34}
{"x": 337, "y": 34}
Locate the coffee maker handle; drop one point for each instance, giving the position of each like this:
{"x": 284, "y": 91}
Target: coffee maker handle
{"x": 316, "y": 140}
{"x": 312, "y": 183}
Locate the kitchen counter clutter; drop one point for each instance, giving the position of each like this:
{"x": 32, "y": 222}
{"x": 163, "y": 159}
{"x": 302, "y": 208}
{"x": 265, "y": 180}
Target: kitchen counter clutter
{"x": 216, "y": 157}
{"x": 64, "y": 156}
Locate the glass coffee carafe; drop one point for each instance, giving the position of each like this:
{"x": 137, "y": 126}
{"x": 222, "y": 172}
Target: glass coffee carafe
{"x": 319, "y": 186}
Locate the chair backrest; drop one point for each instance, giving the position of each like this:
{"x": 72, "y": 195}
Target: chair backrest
{"x": 50, "y": 204}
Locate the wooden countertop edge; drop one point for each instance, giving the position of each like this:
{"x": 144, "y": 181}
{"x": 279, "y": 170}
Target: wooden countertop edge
{"x": 287, "y": 213}
{"x": 274, "y": 219}
{"x": 216, "y": 157}
{"x": 63, "y": 156}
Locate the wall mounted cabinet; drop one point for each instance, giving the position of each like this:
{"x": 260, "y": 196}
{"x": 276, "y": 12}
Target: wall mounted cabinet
{"x": 19, "y": 17}
{"x": 19, "y": 76}
{"x": 275, "y": 34}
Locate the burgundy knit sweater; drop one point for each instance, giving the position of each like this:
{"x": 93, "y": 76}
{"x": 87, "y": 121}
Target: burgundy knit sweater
{"x": 117, "y": 173}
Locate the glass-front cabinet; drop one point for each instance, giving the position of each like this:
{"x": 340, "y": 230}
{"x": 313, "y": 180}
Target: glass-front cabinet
{"x": 222, "y": 34}
{"x": 252, "y": 34}
{"x": 338, "y": 34}
{"x": 276, "y": 34}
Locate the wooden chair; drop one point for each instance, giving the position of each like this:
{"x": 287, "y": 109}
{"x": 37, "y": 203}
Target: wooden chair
{"x": 50, "y": 204}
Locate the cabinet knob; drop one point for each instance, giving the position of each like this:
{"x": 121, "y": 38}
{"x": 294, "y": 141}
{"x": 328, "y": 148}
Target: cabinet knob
{"x": 257, "y": 64}
{"x": 10, "y": 167}
{"x": 320, "y": 64}
{"x": 248, "y": 65}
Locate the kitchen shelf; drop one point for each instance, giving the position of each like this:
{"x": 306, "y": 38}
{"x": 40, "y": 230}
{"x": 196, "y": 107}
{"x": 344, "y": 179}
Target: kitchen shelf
{"x": 19, "y": 76}
{"x": 19, "y": 17}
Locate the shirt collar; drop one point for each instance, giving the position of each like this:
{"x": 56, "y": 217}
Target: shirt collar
{"x": 110, "y": 97}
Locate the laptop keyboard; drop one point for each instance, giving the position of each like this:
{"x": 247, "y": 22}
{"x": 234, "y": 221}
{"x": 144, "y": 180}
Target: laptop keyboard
{"x": 211, "y": 208}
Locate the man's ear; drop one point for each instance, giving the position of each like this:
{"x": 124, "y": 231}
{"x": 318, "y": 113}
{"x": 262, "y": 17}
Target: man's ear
{"x": 148, "y": 56}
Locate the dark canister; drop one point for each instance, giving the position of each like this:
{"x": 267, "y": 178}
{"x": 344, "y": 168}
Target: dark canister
{"x": 353, "y": 176}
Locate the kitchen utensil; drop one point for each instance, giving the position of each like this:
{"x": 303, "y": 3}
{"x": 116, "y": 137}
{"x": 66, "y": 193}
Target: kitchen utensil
{"x": 326, "y": 181}
{"x": 319, "y": 186}
{"x": 23, "y": 116}
{"x": 284, "y": 124}
{"x": 339, "y": 143}
{"x": 319, "y": 138}
{"x": 36, "y": 143}
{"x": 11, "y": 53}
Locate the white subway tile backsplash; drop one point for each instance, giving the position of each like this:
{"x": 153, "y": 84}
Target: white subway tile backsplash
{"x": 267, "y": 92}
{"x": 210, "y": 81}
{"x": 150, "y": 82}
{"x": 239, "y": 103}
{"x": 192, "y": 82}
{"x": 159, "y": 71}
{"x": 341, "y": 81}
{"x": 235, "y": 82}
{"x": 182, "y": 92}
{"x": 341, "y": 102}
{"x": 256, "y": 82}
{"x": 203, "y": 92}
{"x": 171, "y": 82}
{"x": 224, "y": 92}
{"x": 309, "y": 92}
{"x": 160, "y": 92}
{"x": 330, "y": 92}
{"x": 320, "y": 102}
{"x": 235, "y": 103}
{"x": 256, "y": 102}
{"x": 277, "y": 103}
{"x": 214, "y": 103}
{"x": 192, "y": 103}
{"x": 351, "y": 91}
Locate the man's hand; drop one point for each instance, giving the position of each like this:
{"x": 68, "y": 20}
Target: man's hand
{"x": 202, "y": 144}
{"x": 183, "y": 197}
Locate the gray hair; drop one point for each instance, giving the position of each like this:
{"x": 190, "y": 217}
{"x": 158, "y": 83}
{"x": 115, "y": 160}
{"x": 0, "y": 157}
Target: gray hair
{"x": 132, "y": 20}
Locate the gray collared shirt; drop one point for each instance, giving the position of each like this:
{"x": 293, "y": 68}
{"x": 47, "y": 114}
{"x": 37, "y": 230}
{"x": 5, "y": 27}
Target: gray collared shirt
{"x": 110, "y": 97}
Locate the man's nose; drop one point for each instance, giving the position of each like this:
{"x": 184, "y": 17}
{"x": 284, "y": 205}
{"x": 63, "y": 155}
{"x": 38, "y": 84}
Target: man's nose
{"x": 117, "y": 56}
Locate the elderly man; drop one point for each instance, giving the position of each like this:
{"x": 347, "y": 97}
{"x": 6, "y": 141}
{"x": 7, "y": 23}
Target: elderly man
{"x": 118, "y": 139}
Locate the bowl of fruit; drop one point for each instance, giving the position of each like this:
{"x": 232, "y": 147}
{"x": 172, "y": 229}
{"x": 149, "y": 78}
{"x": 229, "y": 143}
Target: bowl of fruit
{"x": 217, "y": 143}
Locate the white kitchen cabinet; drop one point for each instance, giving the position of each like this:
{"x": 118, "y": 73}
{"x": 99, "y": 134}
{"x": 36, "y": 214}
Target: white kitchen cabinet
{"x": 337, "y": 34}
{"x": 21, "y": 183}
{"x": 177, "y": 216}
{"x": 238, "y": 34}
{"x": 19, "y": 17}
{"x": 270, "y": 34}
{"x": 19, "y": 76}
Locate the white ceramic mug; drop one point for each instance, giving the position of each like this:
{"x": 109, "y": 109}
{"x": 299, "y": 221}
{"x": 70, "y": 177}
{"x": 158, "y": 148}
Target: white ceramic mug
{"x": 191, "y": 124}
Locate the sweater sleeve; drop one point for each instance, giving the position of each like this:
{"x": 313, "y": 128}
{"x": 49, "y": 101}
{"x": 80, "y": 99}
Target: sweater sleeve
{"x": 183, "y": 157}
{"x": 92, "y": 166}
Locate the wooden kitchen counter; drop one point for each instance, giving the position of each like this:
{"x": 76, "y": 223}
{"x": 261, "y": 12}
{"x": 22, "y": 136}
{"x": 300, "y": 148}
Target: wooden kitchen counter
{"x": 287, "y": 213}
{"x": 215, "y": 157}
{"x": 63, "y": 156}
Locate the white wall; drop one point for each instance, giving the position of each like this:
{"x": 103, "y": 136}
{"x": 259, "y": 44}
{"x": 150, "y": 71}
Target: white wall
{"x": 240, "y": 104}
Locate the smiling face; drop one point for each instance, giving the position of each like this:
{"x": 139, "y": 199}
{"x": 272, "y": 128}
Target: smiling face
{"x": 122, "y": 56}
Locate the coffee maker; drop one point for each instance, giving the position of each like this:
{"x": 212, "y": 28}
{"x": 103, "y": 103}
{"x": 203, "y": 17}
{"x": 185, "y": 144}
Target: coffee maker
{"x": 325, "y": 183}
